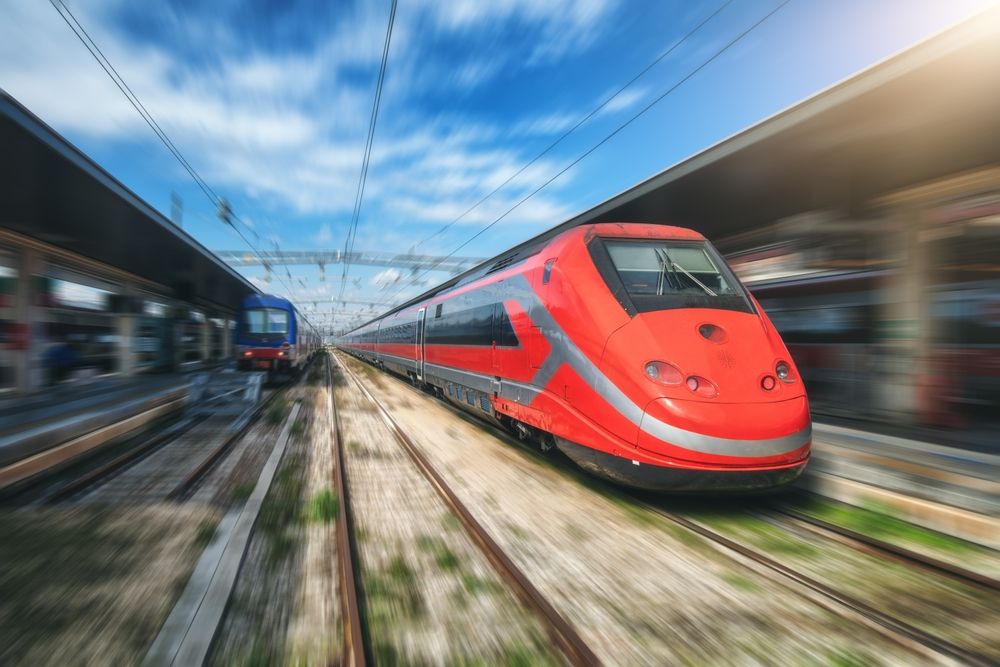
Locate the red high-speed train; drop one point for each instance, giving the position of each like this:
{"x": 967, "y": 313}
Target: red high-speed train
{"x": 631, "y": 347}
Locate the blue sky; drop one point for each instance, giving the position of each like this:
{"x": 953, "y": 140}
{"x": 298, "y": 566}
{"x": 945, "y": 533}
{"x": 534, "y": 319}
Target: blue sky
{"x": 270, "y": 102}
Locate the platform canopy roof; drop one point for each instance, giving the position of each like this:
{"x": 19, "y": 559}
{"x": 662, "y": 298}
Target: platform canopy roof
{"x": 929, "y": 111}
{"x": 52, "y": 192}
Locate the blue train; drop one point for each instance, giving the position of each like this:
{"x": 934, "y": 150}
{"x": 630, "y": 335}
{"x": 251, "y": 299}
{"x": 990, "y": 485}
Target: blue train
{"x": 272, "y": 336}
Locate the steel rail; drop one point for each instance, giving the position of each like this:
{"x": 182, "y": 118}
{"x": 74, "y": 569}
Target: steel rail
{"x": 105, "y": 471}
{"x": 355, "y": 647}
{"x": 884, "y": 549}
{"x": 562, "y": 633}
{"x": 887, "y": 622}
{"x": 188, "y": 484}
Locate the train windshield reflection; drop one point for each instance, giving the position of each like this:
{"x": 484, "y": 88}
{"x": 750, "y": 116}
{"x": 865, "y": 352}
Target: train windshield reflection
{"x": 659, "y": 268}
{"x": 265, "y": 321}
{"x": 659, "y": 275}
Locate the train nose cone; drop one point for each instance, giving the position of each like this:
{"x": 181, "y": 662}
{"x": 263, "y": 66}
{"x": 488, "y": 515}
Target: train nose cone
{"x": 774, "y": 432}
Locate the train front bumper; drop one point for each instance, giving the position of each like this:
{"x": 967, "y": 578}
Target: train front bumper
{"x": 679, "y": 477}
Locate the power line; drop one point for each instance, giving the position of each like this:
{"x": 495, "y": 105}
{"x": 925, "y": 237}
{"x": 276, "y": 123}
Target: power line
{"x": 600, "y": 143}
{"x": 580, "y": 122}
{"x": 363, "y": 178}
{"x": 130, "y": 95}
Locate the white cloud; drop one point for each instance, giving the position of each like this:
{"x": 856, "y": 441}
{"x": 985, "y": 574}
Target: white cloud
{"x": 560, "y": 25}
{"x": 324, "y": 236}
{"x": 553, "y": 123}
{"x": 386, "y": 277}
{"x": 286, "y": 130}
{"x": 625, "y": 100}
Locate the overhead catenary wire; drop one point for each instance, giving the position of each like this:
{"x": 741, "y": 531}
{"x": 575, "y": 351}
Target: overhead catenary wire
{"x": 583, "y": 119}
{"x": 91, "y": 45}
{"x": 366, "y": 160}
{"x": 593, "y": 148}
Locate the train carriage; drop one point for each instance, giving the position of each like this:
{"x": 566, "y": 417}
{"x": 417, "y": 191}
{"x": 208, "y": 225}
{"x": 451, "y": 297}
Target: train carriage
{"x": 631, "y": 347}
{"x": 272, "y": 336}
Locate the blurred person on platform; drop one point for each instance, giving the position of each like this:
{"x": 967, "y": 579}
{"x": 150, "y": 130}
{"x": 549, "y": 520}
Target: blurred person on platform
{"x": 60, "y": 361}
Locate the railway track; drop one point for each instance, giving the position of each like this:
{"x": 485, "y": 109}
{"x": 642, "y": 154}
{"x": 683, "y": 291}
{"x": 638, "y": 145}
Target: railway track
{"x": 886, "y": 550}
{"x": 891, "y": 627}
{"x": 98, "y": 475}
{"x": 60, "y": 483}
{"x": 561, "y": 633}
{"x": 356, "y": 650}
{"x": 898, "y": 630}
{"x": 187, "y": 486}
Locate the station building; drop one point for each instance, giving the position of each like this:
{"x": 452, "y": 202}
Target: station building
{"x": 86, "y": 264}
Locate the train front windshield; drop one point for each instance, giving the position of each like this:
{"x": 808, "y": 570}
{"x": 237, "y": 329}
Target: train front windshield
{"x": 660, "y": 275}
{"x": 265, "y": 324}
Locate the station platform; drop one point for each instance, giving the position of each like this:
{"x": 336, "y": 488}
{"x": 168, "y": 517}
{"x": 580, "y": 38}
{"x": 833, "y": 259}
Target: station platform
{"x": 67, "y": 420}
{"x": 947, "y": 488}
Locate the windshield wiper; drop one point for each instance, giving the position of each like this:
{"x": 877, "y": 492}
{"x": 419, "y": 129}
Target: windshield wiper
{"x": 665, "y": 268}
{"x": 708, "y": 290}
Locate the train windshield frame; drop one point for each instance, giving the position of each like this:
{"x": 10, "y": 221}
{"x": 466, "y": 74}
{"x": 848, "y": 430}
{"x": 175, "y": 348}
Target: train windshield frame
{"x": 265, "y": 322}
{"x": 647, "y": 275}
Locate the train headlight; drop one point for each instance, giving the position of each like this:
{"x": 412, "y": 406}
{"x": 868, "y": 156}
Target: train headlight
{"x": 663, "y": 373}
{"x": 701, "y": 387}
{"x": 783, "y": 371}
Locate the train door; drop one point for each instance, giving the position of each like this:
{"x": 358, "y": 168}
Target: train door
{"x": 500, "y": 322}
{"x": 498, "y": 314}
{"x": 421, "y": 317}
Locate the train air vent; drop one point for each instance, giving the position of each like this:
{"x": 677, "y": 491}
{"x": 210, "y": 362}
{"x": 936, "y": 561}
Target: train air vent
{"x": 712, "y": 332}
{"x": 502, "y": 263}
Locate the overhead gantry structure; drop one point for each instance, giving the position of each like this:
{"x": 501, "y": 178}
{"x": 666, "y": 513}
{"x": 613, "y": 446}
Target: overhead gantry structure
{"x": 324, "y": 258}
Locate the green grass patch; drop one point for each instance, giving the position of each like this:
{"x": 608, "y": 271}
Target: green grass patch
{"x": 848, "y": 658}
{"x": 243, "y": 492}
{"x": 299, "y": 427}
{"x": 400, "y": 572}
{"x": 443, "y": 556}
{"x": 280, "y": 514}
{"x": 519, "y": 533}
{"x": 447, "y": 560}
{"x": 315, "y": 375}
{"x": 392, "y": 596}
{"x": 741, "y": 582}
{"x": 476, "y": 585}
{"x": 278, "y": 410}
{"x": 205, "y": 533}
{"x": 323, "y": 507}
{"x": 774, "y": 540}
{"x": 876, "y": 521}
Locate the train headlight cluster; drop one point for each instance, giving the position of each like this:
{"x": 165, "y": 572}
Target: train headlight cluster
{"x": 663, "y": 373}
{"x": 783, "y": 371}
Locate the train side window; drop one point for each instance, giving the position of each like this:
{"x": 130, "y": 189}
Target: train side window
{"x": 547, "y": 273}
{"x": 437, "y": 311}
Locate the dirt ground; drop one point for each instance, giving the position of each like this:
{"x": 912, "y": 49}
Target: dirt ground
{"x": 430, "y": 595}
{"x": 93, "y": 585}
{"x": 285, "y": 606}
{"x": 640, "y": 590}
